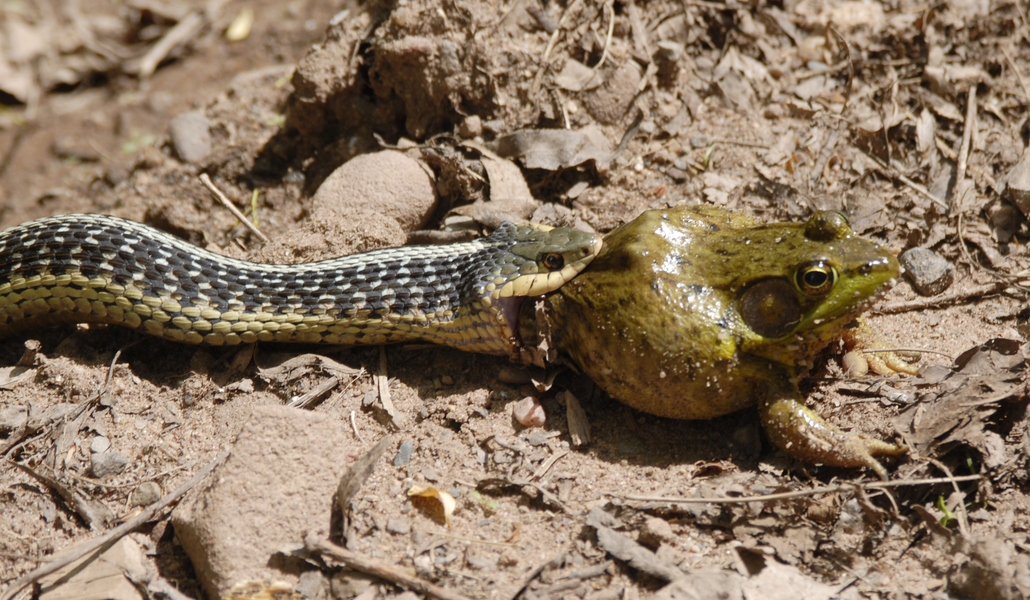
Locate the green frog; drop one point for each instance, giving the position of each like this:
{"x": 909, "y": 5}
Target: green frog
{"x": 697, "y": 312}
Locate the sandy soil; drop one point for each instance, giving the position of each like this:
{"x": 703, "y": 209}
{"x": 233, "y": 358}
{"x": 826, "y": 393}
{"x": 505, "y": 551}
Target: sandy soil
{"x": 769, "y": 109}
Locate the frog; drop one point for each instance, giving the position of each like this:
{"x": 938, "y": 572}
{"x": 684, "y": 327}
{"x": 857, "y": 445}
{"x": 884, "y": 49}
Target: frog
{"x": 695, "y": 312}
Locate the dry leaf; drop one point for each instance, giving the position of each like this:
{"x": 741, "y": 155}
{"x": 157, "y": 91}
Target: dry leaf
{"x": 241, "y": 25}
{"x": 438, "y": 504}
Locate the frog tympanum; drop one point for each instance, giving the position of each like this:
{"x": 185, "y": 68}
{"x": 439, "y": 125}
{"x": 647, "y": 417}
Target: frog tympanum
{"x": 696, "y": 312}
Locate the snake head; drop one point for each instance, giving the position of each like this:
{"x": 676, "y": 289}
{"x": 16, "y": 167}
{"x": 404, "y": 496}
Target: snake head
{"x": 536, "y": 260}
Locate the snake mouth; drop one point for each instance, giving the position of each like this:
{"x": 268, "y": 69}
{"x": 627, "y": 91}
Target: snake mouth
{"x": 508, "y": 314}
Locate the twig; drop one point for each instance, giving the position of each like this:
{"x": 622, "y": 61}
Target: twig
{"x": 730, "y": 142}
{"x": 232, "y": 207}
{"x": 111, "y": 535}
{"x": 940, "y": 301}
{"x": 183, "y": 31}
{"x": 831, "y": 489}
{"x": 537, "y": 570}
{"x": 915, "y": 186}
{"x": 608, "y": 38}
{"x": 557, "y": 31}
{"x": 354, "y": 426}
{"x": 313, "y": 395}
{"x": 823, "y": 71}
{"x": 315, "y": 545}
{"x": 382, "y": 382}
{"x": 1015, "y": 69}
{"x": 110, "y": 375}
{"x": 963, "y": 153}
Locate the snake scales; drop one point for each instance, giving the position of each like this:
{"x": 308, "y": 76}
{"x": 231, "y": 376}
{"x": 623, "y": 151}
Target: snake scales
{"x": 97, "y": 268}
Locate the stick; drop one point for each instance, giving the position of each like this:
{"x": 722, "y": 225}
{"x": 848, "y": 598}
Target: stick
{"x": 366, "y": 565}
{"x": 967, "y": 138}
{"x": 232, "y": 207}
{"x": 802, "y": 493}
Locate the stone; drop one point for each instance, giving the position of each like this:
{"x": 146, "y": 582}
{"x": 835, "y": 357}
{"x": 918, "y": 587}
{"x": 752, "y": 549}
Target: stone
{"x": 655, "y": 532}
{"x": 398, "y": 525}
{"x": 191, "y": 136}
{"x": 930, "y": 274}
{"x": 99, "y": 445}
{"x": 388, "y": 183}
{"x": 403, "y": 454}
{"x": 275, "y": 487}
{"x": 106, "y": 464}
{"x": 146, "y": 494}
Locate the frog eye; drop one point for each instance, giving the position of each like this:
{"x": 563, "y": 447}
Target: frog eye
{"x": 554, "y": 261}
{"x": 815, "y": 278}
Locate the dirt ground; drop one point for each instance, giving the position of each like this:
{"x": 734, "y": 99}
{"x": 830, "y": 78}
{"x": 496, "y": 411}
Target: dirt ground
{"x": 911, "y": 118}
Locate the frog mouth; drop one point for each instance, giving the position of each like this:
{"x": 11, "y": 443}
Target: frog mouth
{"x": 833, "y": 322}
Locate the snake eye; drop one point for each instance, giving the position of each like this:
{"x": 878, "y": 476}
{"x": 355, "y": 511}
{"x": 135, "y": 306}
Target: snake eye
{"x": 815, "y": 278}
{"x": 554, "y": 261}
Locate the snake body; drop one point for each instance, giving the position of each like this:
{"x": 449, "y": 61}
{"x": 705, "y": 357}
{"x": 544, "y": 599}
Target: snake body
{"x": 98, "y": 268}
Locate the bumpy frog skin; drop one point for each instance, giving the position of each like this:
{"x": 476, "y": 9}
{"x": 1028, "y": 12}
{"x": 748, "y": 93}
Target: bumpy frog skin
{"x": 696, "y": 312}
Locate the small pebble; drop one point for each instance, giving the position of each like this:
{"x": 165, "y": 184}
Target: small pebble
{"x": 655, "y": 531}
{"x": 191, "y": 136}
{"x": 855, "y": 365}
{"x": 446, "y": 380}
{"x": 529, "y": 413}
{"x": 99, "y": 445}
{"x": 930, "y": 274}
{"x": 106, "y": 464}
{"x": 146, "y": 494}
{"x": 482, "y": 564}
{"x": 537, "y": 438}
{"x": 403, "y": 454}
{"x": 398, "y": 525}
{"x": 677, "y": 175}
{"x": 471, "y": 127}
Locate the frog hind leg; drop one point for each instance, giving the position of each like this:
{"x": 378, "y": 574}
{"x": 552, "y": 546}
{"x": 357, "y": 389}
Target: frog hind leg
{"x": 806, "y": 436}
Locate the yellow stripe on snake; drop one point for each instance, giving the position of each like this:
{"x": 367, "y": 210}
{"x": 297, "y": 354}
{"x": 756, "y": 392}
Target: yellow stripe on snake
{"x": 102, "y": 269}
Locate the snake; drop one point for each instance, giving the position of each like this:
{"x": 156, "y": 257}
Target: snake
{"x": 90, "y": 268}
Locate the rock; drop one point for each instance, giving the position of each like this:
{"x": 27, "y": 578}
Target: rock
{"x": 655, "y": 532}
{"x": 271, "y": 491}
{"x": 610, "y": 102}
{"x": 398, "y": 525}
{"x": 1005, "y": 219}
{"x": 388, "y": 183}
{"x": 403, "y": 454}
{"x": 191, "y": 136}
{"x": 106, "y": 464}
{"x": 471, "y": 127}
{"x": 99, "y": 445}
{"x": 1017, "y": 183}
{"x": 529, "y": 412}
{"x": 146, "y": 494}
{"x": 348, "y": 584}
{"x": 930, "y": 274}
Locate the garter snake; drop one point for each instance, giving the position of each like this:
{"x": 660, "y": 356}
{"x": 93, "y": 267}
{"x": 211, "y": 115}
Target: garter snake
{"x": 103, "y": 269}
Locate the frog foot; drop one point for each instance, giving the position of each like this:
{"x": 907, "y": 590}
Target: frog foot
{"x": 858, "y": 363}
{"x": 806, "y": 436}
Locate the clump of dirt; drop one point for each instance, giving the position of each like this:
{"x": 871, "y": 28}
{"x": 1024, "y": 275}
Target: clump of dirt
{"x": 907, "y": 119}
